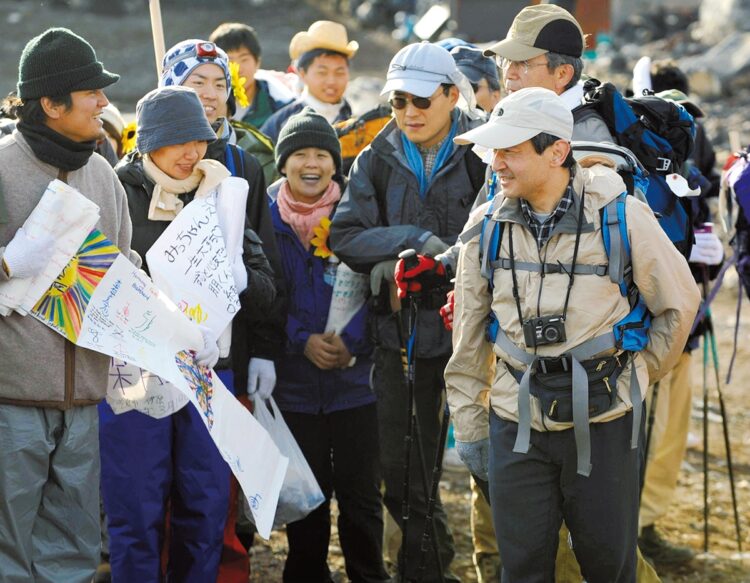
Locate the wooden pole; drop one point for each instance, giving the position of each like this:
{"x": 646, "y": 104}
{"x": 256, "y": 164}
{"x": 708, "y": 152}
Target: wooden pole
{"x": 157, "y": 31}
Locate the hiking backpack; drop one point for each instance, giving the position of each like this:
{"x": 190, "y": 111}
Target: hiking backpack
{"x": 660, "y": 133}
{"x": 356, "y": 133}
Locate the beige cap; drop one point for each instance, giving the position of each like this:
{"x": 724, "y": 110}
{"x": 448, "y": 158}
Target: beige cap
{"x": 521, "y": 116}
{"x": 323, "y": 34}
{"x": 540, "y": 29}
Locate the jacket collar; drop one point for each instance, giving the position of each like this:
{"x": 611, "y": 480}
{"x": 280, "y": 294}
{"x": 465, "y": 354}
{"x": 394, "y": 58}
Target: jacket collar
{"x": 387, "y": 143}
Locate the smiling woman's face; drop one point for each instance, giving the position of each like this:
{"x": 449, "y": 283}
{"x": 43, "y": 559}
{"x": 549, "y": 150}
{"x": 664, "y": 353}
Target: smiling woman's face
{"x": 179, "y": 160}
{"x": 309, "y": 172}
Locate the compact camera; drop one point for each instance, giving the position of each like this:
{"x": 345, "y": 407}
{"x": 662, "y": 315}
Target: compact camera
{"x": 544, "y": 330}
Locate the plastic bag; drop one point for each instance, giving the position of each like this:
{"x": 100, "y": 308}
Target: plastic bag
{"x": 300, "y": 493}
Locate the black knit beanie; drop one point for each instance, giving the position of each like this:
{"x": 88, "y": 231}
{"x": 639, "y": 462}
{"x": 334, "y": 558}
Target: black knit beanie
{"x": 57, "y": 62}
{"x": 307, "y": 129}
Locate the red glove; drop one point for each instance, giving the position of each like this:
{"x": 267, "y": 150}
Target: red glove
{"x": 446, "y": 312}
{"x": 426, "y": 274}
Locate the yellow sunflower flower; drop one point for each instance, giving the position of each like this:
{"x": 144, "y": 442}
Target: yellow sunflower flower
{"x": 128, "y": 138}
{"x": 320, "y": 240}
{"x": 238, "y": 85}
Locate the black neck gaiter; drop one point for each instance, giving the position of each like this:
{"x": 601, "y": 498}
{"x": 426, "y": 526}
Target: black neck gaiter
{"x": 54, "y": 148}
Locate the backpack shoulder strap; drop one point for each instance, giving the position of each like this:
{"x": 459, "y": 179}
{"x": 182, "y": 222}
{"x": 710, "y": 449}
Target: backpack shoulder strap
{"x": 617, "y": 243}
{"x": 489, "y": 242}
{"x": 380, "y": 174}
{"x": 234, "y": 158}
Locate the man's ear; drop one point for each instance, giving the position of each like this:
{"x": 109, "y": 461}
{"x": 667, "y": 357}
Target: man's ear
{"x": 51, "y": 109}
{"x": 563, "y": 75}
{"x": 560, "y": 150}
{"x": 453, "y": 95}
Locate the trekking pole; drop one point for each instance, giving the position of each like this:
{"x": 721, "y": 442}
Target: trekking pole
{"x": 408, "y": 348}
{"x": 649, "y": 429}
{"x": 705, "y": 444}
{"x": 711, "y": 335}
{"x": 429, "y": 524}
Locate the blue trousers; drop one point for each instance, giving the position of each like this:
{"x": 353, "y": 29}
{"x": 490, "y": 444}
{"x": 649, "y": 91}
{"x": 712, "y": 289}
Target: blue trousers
{"x": 148, "y": 466}
{"x": 532, "y": 493}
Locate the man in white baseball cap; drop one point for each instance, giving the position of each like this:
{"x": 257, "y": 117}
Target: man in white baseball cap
{"x": 551, "y": 359}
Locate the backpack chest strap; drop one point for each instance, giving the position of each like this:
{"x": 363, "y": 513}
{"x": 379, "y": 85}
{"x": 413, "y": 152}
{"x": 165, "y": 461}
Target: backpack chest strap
{"x": 547, "y": 268}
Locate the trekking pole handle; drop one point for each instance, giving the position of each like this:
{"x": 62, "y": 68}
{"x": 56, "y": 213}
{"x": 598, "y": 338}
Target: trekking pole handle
{"x": 410, "y": 258}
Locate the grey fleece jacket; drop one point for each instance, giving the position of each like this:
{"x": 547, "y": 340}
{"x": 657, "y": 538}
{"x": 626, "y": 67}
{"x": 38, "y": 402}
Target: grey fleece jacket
{"x": 38, "y": 367}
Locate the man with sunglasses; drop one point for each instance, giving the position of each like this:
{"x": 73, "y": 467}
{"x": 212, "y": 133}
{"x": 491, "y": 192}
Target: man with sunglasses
{"x": 411, "y": 188}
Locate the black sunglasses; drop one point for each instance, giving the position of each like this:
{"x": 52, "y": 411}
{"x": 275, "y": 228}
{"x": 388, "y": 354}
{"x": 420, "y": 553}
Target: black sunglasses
{"x": 400, "y": 102}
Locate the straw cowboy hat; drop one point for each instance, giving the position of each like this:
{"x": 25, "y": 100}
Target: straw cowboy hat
{"x": 323, "y": 34}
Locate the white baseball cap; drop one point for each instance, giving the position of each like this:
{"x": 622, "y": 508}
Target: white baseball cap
{"x": 519, "y": 117}
{"x": 419, "y": 69}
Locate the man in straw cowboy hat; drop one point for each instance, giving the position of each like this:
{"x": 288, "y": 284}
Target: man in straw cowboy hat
{"x": 321, "y": 55}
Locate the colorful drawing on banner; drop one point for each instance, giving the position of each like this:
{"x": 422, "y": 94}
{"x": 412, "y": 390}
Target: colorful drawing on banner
{"x": 199, "y": 380}
{"x": 63, "y": 305}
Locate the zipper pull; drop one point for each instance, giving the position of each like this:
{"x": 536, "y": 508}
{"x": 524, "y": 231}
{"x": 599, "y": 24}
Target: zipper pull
{"x": 606, "y": 382}
{"x": 552, "y": 409}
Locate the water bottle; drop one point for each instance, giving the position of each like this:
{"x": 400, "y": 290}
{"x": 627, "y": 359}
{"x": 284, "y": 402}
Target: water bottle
{"x": 329, "y": 273}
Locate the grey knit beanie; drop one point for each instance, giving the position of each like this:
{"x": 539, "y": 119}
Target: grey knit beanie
{"x": 57, "y": 62}
{"x": 307, "y": 129}
{"x": 170, "y": 115}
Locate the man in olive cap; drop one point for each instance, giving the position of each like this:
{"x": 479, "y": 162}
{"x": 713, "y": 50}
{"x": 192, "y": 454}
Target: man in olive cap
{"x": 49, "y": 444}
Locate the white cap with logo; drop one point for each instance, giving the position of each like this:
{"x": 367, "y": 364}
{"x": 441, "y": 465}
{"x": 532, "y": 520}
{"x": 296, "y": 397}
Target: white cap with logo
{"x": 519, "y": 117}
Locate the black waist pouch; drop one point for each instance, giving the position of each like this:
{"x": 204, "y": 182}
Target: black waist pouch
{"x": 552, "y": 384}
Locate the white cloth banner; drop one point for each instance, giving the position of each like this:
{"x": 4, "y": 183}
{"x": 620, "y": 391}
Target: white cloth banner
{"x": 68, "y": 216}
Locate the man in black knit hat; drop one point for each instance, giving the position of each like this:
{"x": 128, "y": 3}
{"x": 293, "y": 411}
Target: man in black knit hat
{"x": 49, "y": 445}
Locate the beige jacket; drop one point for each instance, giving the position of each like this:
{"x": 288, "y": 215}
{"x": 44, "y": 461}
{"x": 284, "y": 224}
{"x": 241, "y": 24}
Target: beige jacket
{"x": 662, "y": 275}
{"x": 38, "y": 367}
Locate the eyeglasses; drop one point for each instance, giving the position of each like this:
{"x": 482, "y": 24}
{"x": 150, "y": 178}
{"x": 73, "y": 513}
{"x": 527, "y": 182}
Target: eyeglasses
{"x": 401, "y": 101}
{"x": 506, "y": 64}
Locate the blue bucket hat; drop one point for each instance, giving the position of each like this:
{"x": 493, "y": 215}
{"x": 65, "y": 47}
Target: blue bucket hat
{"x": 168, "y": 116}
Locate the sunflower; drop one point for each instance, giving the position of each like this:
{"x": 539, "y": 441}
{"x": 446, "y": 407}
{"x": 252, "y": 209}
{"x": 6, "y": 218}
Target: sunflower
{"x": 320, "y": 240}
{"x": 238, "y": 85}
{"x": 128, "y": 138}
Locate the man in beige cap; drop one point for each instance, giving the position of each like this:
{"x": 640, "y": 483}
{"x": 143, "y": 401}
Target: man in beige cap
{"x": 550, "y": 410}
{"x": 543, "y": 48}
{"x": 321, "y": 55}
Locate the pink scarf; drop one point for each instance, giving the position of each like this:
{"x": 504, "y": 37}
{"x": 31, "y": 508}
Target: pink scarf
{"x": 304, "y": 217}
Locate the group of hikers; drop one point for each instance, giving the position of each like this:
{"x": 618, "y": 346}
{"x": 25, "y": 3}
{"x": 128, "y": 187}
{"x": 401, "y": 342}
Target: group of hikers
{"x": 519, "y": 283}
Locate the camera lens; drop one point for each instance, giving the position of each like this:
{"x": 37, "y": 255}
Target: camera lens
{"x": 551, "y": 334}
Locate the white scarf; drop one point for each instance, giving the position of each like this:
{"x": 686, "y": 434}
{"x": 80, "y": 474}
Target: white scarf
{"x": 330, "y": 111}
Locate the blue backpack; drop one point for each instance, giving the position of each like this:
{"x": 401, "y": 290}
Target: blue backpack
{"x": 661, "y": 134}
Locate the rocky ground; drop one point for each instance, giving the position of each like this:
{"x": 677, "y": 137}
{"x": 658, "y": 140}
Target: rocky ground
{"x": 123, "y": 43}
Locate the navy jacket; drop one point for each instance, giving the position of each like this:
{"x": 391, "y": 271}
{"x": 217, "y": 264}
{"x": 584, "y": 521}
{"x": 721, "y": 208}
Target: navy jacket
{"x": 301, "y": 387}
{"x": 272, "y": 126}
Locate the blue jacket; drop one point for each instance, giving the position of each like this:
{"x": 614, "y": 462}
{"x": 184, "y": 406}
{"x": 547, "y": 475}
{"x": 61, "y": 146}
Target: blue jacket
{"x": 301, "y": 387}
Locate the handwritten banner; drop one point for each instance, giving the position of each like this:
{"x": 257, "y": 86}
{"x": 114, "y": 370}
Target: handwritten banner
{"x": 189, "y": 262}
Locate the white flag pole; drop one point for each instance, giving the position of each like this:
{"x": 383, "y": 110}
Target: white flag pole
{"x": 157, "y": 31}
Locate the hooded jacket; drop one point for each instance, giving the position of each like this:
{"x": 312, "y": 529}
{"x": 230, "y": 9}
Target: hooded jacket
{"x": 382, "y": 214}
{"x": 476, "y": 374}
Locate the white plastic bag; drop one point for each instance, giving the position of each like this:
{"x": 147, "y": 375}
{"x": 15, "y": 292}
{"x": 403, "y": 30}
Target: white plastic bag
{"x": 300, "y": 493}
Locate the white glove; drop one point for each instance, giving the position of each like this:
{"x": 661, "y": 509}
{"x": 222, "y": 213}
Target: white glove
{"x": 26, "y": 256}
{"x": 707, "y": 249}
{"x": 239, "y": 272}
{"x": 209, "y": 354}
{"x": 261, "y": 378}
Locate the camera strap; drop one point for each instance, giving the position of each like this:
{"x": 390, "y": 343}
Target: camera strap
{"x": 570, "y": 273}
